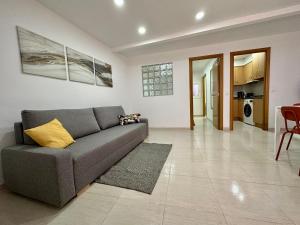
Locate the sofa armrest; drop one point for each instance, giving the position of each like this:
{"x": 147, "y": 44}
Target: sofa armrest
{"x": 144, "y": 120}
{"x": 40, "y": 173}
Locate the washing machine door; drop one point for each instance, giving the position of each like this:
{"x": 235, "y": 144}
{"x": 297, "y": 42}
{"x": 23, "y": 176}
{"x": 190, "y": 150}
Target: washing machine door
{"x": 247, "y": 110}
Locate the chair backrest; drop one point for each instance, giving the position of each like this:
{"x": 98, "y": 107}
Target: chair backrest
{"x": 291, "y": 113}
{"x": 297, "y": 104}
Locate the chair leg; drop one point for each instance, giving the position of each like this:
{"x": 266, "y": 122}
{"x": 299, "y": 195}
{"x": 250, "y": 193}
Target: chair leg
{"x": 280, "y": 145}
{"x": 288, "y": 145}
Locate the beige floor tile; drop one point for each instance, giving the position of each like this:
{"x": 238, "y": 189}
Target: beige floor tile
{"x": 135, "y": 212}
{"x": 184, "y": 168}
{"x": 269, "y": 173}
{"x": 88, "y": 208}
{"x": 248, "y": 200}
{"x": 187, "y": 216}
{"x": 15, "y": 209}
{"x": 244, "y": 221}
{"x": 192, "y": 192}
{"x": 105, "y": 190}
{"x": 227, "y": 170}
{"x": 158, "y": 196}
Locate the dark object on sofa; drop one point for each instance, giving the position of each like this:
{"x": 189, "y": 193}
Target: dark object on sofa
{"x": 56, "y": 176}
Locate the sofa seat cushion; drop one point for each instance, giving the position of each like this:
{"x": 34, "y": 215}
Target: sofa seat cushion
{"x": 108, "y": 116}
{"x": 78, "y": 122}
{"x": 88, "y": 152}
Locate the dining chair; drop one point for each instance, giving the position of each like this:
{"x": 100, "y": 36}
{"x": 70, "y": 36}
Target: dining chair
{"x": 292, "y": 114}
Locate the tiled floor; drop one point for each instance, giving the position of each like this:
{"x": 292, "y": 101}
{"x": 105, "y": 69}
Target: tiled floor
{"x": 210, "y": 178}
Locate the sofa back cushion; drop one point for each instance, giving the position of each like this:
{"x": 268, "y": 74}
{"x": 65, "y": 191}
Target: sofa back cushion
{"x": 108, "y": 116}
{"x": 78, "y": 122}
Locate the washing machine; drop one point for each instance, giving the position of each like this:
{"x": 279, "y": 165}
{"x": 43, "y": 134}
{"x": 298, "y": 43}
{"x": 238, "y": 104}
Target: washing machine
{"x": 248, "y": 111}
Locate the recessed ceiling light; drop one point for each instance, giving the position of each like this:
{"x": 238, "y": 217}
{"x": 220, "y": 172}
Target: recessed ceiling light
{"x": 142, "y": 30}
{"x": 119, "y": 3}
{"x": 199, "y": 15}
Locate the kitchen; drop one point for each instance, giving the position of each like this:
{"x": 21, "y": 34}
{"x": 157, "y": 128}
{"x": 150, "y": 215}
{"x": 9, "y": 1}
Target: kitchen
{"x": 248, "y": 87}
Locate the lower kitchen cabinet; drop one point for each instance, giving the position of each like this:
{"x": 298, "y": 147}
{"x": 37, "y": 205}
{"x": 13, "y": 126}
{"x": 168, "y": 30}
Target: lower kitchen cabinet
{"x": 238, "y": 109}
{"x": 258, "y": 112}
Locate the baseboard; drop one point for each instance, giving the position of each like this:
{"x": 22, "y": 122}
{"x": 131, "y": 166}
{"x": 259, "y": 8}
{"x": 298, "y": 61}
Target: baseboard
{"x": 259, "y": 125}
{"x": 273, "y": 129}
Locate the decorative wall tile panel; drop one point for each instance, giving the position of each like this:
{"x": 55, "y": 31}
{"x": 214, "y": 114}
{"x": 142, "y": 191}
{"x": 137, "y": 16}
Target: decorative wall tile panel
{"x": 157, "y": 79}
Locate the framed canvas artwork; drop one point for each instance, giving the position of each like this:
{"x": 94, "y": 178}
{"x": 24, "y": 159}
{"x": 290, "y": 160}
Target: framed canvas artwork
{"x": 80, "y": 67}
{"x": 41, "y": 56}
{"x": 103, "y": 73}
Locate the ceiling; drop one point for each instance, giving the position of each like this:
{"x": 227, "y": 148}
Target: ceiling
{"x": 200, "y": 65}
{"x": 242, "y": 57}
{"x": 166, "y": 20}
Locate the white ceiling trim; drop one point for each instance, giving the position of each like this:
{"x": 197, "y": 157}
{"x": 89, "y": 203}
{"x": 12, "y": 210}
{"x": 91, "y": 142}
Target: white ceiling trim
{"x": 227, "y": 24}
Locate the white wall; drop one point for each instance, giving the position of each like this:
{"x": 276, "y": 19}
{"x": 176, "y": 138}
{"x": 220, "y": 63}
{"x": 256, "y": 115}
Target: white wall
{"x": 19, "y": 91}
{"x": 173, "y": 111}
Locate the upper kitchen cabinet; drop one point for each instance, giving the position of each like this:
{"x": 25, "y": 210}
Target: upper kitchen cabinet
{"x": 262, "y": 65}
{"x": 255, "y": 65}
{"x": 248, "y": 72}
{"x": 258, "y": 65}
{"x": 239, "y": 77}
{"x": 249, "y": 68}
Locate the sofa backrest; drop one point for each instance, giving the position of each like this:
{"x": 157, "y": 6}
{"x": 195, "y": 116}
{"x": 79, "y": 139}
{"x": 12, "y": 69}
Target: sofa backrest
{"x": 19, "y": 136}
{"x": 108, "y": 116}
{"x": 78, "y": 122}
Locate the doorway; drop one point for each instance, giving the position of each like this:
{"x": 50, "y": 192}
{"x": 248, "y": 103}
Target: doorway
{"x": 249, "y": 87}
{"x": 210, "y": 74}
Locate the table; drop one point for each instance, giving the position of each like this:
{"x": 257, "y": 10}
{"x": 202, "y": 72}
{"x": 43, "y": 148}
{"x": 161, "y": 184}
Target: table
{"x": 279, "y": 123}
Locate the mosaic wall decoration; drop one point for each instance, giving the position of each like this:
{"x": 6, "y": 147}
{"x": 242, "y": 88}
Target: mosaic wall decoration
{"x": 157, "y": 79}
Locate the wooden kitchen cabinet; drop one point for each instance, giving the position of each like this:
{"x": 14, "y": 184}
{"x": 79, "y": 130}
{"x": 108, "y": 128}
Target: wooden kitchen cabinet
{"x": 258, "y": 112}
{"x": 248, "y": 69}
{"x": 255, "y": 65}
{"x": 254, "y": 70}
{"x": 258, "y": 65}
{"x": 241, "y": 109}
{"x": 238, "y": 109}
{"x": 261, "y": 65}
{"x": 239, "y": 77}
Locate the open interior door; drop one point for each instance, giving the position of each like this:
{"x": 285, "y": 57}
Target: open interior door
{"x": 215, "y": 93}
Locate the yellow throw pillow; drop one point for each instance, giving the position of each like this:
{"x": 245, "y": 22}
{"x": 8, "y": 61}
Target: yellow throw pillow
{"x": 52, "y": 135}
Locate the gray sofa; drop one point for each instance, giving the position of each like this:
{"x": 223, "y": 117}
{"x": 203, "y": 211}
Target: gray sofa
{"x": 55, "y": 176}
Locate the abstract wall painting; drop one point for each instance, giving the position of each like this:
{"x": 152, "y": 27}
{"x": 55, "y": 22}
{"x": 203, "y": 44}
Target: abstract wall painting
{"x": 44, "y": 57}
{"x": 103, "y": 73}
{"x": 41, "y": 56}
{"x": 81, "y": 67}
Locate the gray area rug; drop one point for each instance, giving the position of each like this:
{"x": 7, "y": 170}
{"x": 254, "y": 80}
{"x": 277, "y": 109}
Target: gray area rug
{"x": 140, "y": 169}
